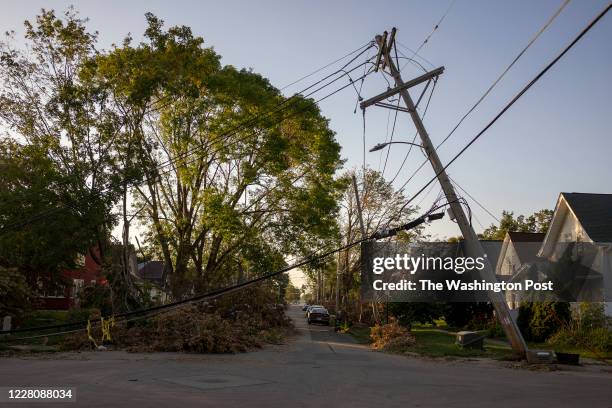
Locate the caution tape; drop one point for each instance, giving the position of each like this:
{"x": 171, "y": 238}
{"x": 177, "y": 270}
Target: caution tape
{"x": 106, "y": 328}
{"x": 89, "y": 334}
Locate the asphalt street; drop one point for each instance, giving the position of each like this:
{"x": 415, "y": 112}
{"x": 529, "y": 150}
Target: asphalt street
{"x": 316, "y": 368}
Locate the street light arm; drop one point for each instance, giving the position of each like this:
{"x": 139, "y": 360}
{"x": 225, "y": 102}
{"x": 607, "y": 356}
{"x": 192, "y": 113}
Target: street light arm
{"x": 383, "y": 145}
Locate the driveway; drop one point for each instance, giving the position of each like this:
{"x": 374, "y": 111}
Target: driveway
{"x": 316, "y": 368}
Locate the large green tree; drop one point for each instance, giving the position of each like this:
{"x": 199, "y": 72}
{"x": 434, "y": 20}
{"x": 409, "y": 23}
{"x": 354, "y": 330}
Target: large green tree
{"x": 232, "y": 167}
{"x": 227, "y": 176}
{"x": 49, "y": 104}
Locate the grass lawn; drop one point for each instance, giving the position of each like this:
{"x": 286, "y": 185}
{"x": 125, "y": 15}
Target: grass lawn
{"x": 41, "y": 318}
{"x": 603, "y": 356}
{"x": 361, "y": 333}
{"x": 433, "y": 343}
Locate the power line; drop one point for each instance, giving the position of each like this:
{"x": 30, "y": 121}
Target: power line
{"x": 505, "y": 71}
{"x": 308, "y": 103}
{"x": 426, "y": 40}
{"x": 425, "y": 60}
{"x": 147, "y": 312}
{"x": 412, "y": 60}
{"x": 212, "y": 294}
{"x": 64, "y": 206}
{"x": 392, "y": 135}
{"x": 416, "y": 106}
{"x": 475, "y": 200}
{"x": 488, "y": 91}
{"x": 414, "y": 138}
{"x": 309, "y": 259}
{"x": 324, "y": 67}
{"x": 492, "y": 86}
{"x": 509, "y": 104}
{"x": 279, "y": 108}
{"x": 427, "y": 194}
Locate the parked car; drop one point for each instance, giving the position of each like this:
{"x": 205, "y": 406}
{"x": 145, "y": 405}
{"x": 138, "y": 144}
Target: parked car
{"x": 305, "y": 308}
{"x": 319, "y": 315}
{"x": 310, "y": 307}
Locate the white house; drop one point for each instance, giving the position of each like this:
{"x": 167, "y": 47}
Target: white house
{"x": 583, "y": 218}
{"x": 517, "y": 249}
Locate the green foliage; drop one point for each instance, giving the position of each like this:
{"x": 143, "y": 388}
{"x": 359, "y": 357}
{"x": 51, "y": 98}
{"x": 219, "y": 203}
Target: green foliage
{"x": 292, "y": 294}
{"x": 408, "y": 313}
{"x": 80, "y": 314}
{"x": 536, "y": 222}
{"x": 591, "y": 315}
{"x": 262, "y": 181}
{"x": 15, "y": 295}
{"x": 381, "y": 204}
{"x": 31, "y": 185}
{"x": 590, "y": 329}
{"x": 540, "y": 320}
{"x": 93, "y": 123}
{"x": 59, "y": 153}
{"x": 495, "y": 329}
{"x": 97, "y": 297}
{"x": 474, "y": 315}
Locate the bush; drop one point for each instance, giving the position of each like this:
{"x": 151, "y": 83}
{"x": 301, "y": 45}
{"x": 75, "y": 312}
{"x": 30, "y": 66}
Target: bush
{"x": 96, "y": 297}
{"x": 391, "y": 337}
{"x": 408, "y": 313}
{"x": 540, "y": 320}
{"x": 495, "y": 329}
{"x": 589, "y": 329}
{"x": 78, "y": 315}
{"x": 465, "y": 314}
{"x": 15, "y": 294}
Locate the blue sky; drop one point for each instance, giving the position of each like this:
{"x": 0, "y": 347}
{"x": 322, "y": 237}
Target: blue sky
{"x": 558, "y": 137}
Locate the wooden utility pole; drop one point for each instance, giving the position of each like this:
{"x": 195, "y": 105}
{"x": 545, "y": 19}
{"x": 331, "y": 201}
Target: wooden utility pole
{"x": 473, "y": 247}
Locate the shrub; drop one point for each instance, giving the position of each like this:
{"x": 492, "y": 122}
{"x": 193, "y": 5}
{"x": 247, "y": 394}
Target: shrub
{"x": 15, "y": 294}
{"x": 98, "y": 297}
{"x": 589, "y": 329}
{"x": 78, "y": 315}
{"x": 467, "y": 314}
{"x": 495, "y": 329}
{"x": 391, "y": 337}
{"x": 408, "y": 313}
{"x": 540, "y": 320}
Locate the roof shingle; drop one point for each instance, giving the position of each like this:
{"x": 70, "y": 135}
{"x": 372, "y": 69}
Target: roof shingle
{"x": 594, "y": 211}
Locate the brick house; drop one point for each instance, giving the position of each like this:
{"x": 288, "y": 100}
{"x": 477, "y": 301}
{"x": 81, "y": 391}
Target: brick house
{"x": 64, "y": 297}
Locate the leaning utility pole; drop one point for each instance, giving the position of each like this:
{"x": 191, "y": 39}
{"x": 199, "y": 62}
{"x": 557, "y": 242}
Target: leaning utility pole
{"x": 473, "y": 246}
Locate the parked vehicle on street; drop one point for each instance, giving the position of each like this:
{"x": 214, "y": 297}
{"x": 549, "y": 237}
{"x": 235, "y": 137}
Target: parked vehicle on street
{"x": 318, "y": 314}
{"x": 305, "y": 308}
{"x": 310, "y": 307}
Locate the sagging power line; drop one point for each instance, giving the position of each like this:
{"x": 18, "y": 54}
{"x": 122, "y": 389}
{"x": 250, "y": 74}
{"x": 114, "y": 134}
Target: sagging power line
{"x": 148, "y": 312}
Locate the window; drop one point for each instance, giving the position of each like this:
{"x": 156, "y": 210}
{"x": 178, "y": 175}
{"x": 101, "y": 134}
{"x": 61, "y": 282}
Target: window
{"x": 77, "y": 285}
{"x": 57, "y": 291}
